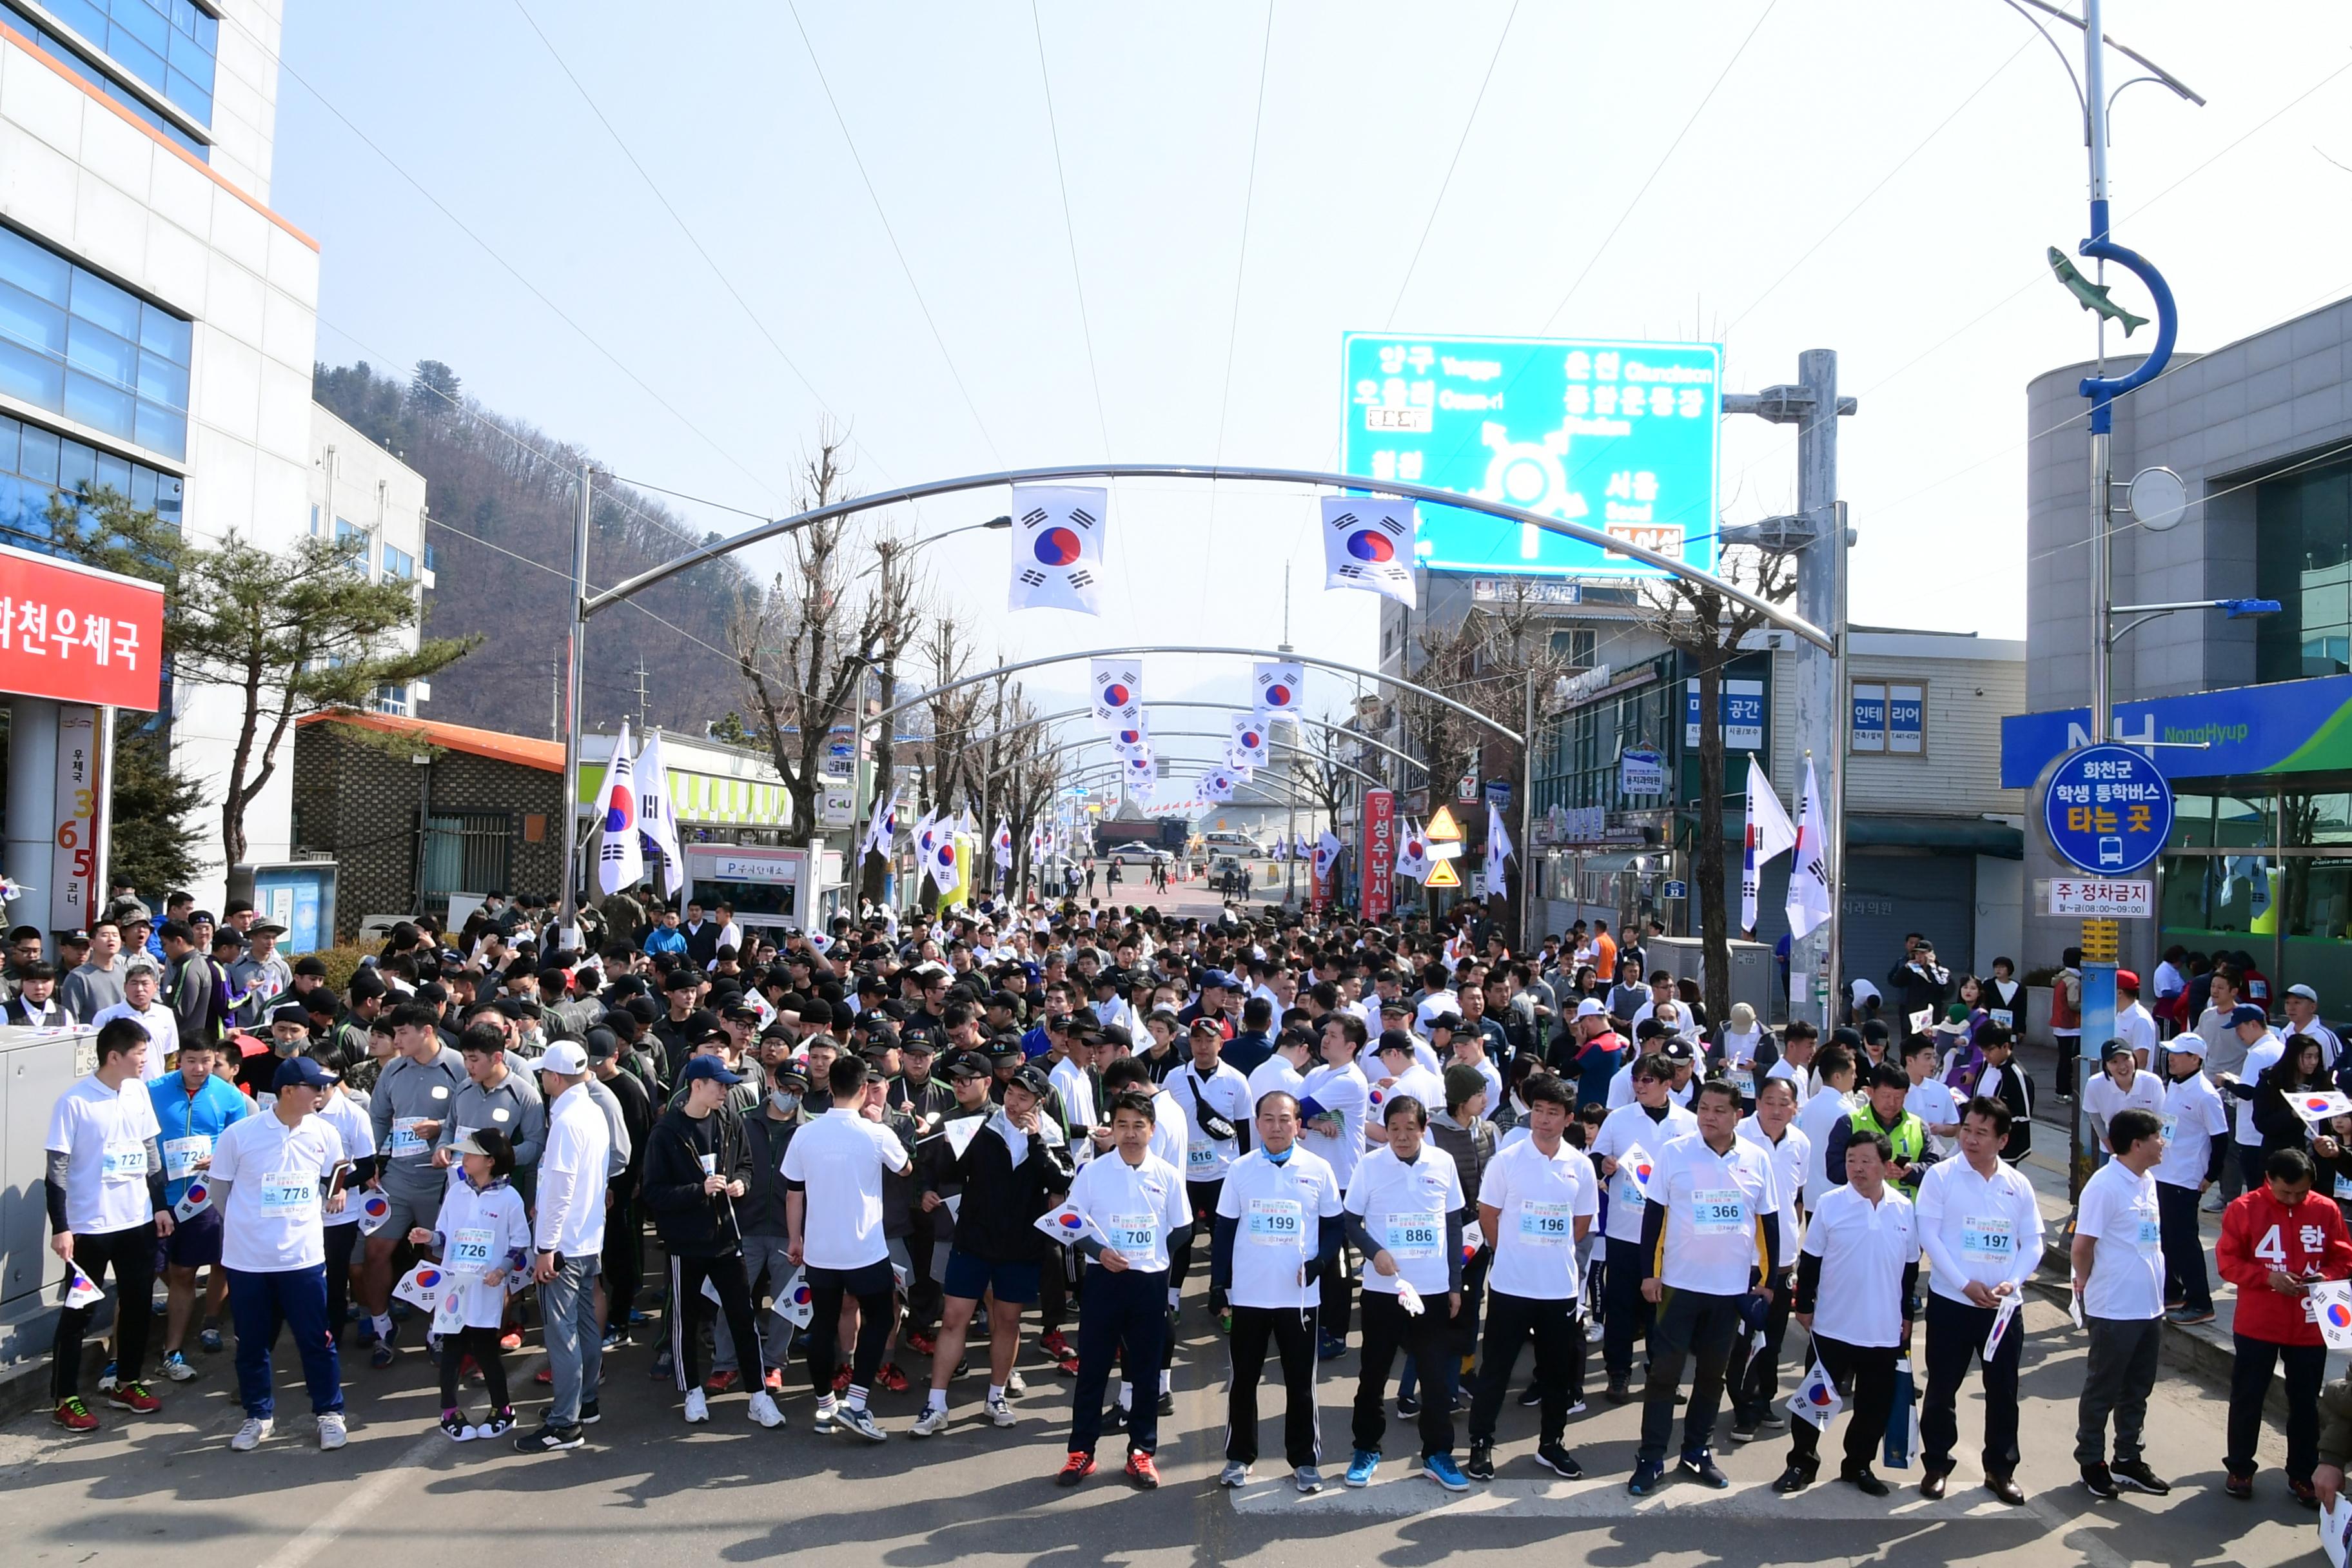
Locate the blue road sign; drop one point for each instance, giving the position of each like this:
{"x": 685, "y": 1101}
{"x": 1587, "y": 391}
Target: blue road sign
{"x": 2107, "y": 810}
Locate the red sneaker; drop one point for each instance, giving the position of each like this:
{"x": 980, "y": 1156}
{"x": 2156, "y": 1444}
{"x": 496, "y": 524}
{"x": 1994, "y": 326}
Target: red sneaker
{"x": 546, "y": 1376}
{"x": 1076, "y": 1468}
{"x": 921, "y": 1343}
{"x": 773, "y": 1382}
{"x": 1055, "y": 1345}
{"x": 841, "y": 1381}
{"x": 1142, "y": 1472}
{"x": 718, "y": 1382}
{"x": 74, "y": 1416}
{"x": 1067, "y": 1365}
{"x": 891, "y": 1378}
{"x": 511, "y": 1342}
{"x": 134, "y": 1397}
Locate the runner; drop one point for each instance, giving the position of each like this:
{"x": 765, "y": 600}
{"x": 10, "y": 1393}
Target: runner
{"x": 567, "y": 1242}
{"x": 1753, "y": 1377}
{"x": 696, "y": 1164}
{"x": 1216, "y": 1102}
{"x": 105, "y": 1187}
{"x": 1648, "y": 1125}
{"x": 483, "y": 1238}
{"x": 1332, "y": 1107}
{"x": 193, "y": 1106}
{"x": 408, "y": 1107}
{"x": 2119, "y": 1287}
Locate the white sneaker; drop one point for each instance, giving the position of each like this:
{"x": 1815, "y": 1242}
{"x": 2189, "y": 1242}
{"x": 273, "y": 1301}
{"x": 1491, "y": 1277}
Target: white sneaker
{"x": 697, "y": 1405}
{"x": 930, "y": 1423}
{"x": 250, "y": 1436}
{"x": 762, "y": 1409}
{"x": 1014, "y": 1388}
{"x": 1000, "y": 1413}
{"x": 333, "y": 1435}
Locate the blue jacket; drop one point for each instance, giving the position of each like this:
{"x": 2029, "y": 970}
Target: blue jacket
{"x": 663, "y": 939}
{"x": 205, "y": 1115}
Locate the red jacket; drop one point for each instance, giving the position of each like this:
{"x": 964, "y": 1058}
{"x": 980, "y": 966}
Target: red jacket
{"x": 2259, "y": 1234}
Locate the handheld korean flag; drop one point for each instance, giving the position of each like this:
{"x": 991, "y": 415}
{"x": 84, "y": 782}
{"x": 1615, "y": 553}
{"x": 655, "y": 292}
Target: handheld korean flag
{"x": 1817, "y": 1399}
{"x": 1498, "y": 848}
{"x": 1118, "y": 693}
{"x": 1771, "y": 834}
{"x": 1057, "y": 548}
{"x": 81, "y": 1290}
{"x": 194, "y": 1202}
{"x": 1924, "y": 1019}
{"x": 1368, "y": 544}
{"x": 375, "y": 1213}
{"x": 422, "y": 1285}
{"x": 1327, "y": 854}
{"x": 927, "y": 832}
{"x": 1809, "y": 878}
{"x": 2317, "y": 1106}
{"x": 2003, "y": 1321}
{"x": 1066, "y": 1225}
{"x": 449, "y": 1313}
{"x": 796, "y": 1303}
{"x": 960, "y": 1132}
{"x": 1279, "y": 689}
{"x": 2331, "y": 1304}
{"x": 620, "y": 859}
{"x": 1636, "y": 1166}
{"x": 946, "y": 869}
{"x": 1249, "y": 740}
{"x": 657, "y": 816}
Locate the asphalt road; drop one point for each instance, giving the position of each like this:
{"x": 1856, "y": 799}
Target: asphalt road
{"x": 166, "y": 1490}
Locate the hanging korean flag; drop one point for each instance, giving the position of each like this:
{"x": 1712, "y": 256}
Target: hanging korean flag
{"x": 1412, "y": 852}
{"x": 1817, "y": 1399}
{"x": 1809, "y": 877}
{"x": 881, "y": 828}
{"x": 658, "y": 816}
{"x": 81, "y": 1290}
{"x": 1327, "y": 855}
{"x": 1249, "y": 739}
{"x": 945, "y": 870}
{"x": 1278, "y": 688}
{"x": 1003, "y": 844}
{"x": 796, "y": 1303}
{"x": 1299, "y": 850}
{"x": 620, "y": 859}
{"x": 1118, "y": 693}
{"x": 1498, "y": 848}
{"x": 1368, "y": 544}
{"x": 1216, "y": 785}
{"x": 1057, "y": 548}
{"x": 1132, "y": 739}
{"x": 1237, "y": 764}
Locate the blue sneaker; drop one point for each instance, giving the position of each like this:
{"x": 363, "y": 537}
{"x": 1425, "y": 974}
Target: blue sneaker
{"x": 382, "y": 1355}
{"x": 209, "y": 1340}
{"x": 1647, "y": 1474}
{"x": 1361, "y": 1467}
{"x": 1441, "y": 1468}
{"x": 1332, "y": 1348}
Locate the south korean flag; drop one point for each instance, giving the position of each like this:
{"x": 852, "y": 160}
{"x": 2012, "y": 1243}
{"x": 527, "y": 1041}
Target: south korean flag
{"x": 1118, "y": 694}
{"x": 1278, "y": 688}
{"x": 1368, "y": 544}
{"x": 1133, "y": 740}
{"x": 1057, "y": 548}
{"x": 1248, "y": 745}
{"x": 1216, "y": 785}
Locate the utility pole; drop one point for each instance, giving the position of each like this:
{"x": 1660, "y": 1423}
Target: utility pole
{"x": 575, "y": 646}
{"x": 641, "y": 694}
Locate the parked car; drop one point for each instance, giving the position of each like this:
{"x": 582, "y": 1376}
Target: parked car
{"x": 1140, "y": 855}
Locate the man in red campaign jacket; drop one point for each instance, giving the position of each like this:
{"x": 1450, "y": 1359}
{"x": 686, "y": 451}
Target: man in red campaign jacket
{"x": 2275, "y": 1240}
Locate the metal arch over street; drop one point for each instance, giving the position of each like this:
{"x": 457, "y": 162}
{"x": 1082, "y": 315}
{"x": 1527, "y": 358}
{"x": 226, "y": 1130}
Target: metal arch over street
{"x": 1296, "y": 794}
{"x": 1371, "y": 779}
{"x": 588, "y": 604}
{"x": 885, "y": 715}
{"x": 1067, "y": 714}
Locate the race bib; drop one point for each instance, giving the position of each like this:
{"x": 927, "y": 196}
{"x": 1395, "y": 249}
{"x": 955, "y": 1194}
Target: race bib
{"x": 470, "y": 1248}
{"x": 1545, "y": 1225}
{"x": 2150, "y": 1235}
{"x": 1276, "y": 1222}
{"x": 1200, "y": 1154}
{"x": 2343, "y": 1187}
{"x": 2167, "y": 1126}
{"x": 406, "y": 1142}
{"x": 288, "y": 1195}
{"x": 1743, "y": 1078}
{"x": 1135, "y": 1235}
{"x": 124, "y": 1163}
{"x": 1987, "y": 1239}
{"x": 1719, "y": 1211}
{"x": 1416, "y": 1234}
{"x": 181, "y": 1154}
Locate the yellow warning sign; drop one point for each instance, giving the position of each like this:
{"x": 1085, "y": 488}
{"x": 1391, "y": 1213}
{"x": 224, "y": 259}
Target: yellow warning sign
{"x": 1443, "y": 827}
{"x": 1441, "y": 875}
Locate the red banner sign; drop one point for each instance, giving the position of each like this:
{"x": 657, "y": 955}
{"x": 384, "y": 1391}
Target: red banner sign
{"x": 79, "y": 634}
{"x": 1380, "y": 852}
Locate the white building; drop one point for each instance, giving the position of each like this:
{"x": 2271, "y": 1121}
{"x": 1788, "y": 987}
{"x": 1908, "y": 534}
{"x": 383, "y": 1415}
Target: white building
{"x": 157, "y": 318}
{"x": 361, "y": 492}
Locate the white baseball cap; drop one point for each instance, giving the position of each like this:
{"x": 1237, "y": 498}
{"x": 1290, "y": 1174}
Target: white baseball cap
{"x": 565, "y": 1058}
{"x": 1593, "y": 1007}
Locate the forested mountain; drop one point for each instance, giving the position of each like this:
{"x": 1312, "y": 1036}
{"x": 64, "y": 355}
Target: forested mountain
{"x": 494, "y": 498}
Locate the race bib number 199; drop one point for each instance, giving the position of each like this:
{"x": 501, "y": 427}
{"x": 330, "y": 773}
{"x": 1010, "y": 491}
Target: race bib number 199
{"x": 1276, "y": 1222}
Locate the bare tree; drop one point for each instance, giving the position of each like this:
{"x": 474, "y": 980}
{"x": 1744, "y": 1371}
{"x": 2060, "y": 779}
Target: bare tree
{"x": 898, "y": 595}
{"x": 1706, "y": 626}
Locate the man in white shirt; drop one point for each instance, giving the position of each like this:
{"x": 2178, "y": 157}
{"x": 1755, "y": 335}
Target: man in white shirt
{"x": 2301, "y": 1006}
{"x": 833, "y": 1215}
{"x": 1394, "y": 1070}
{"x": 1645, "y": 1127}
{"x": 141, "y": 981}
{"x": 1277, "y": 1226}
{"x": 1855, "y": 1280}
{"x": 1981, "y": 1231}
{"x": 1284, "y": 1069}
{"x": 2263, "y": 1049}
{"x": 1709, "y": 1203}
{"x": 1753, "y": 1377}
{"x": 2135, "y": 1024}
{"x": 1536, "y": 1202}
{"x": 2122, "y": 1083}
{"x": 2196, "y": 1128}
{"x": 2119, "y": 1286}
{"x": 275, "y": 1174}
{"x": 1216, "y": 1103}
{"x": 1929, "y": 1097}
{"x": 1829, "y": 1106}
{"x": 105, "y": 1186}
{"x": 1333, "y": 1104}
{"x": 568, "y": 1239}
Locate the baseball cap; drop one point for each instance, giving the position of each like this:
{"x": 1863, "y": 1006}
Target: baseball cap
{"x": 1447, "y": 1020}
{"x": 1677, "y": 1050}
{"x": 918, "y": 1042}
{"x": 788, "y": 1072}
{"x": 2247, "y": 1013}
{"x": 2187, "y": 1045}
{"x": 603, "y": 1044}
{"x": 301, "y": 1072}
{"x": 964, "y": 1064}
{"x": 709, "y": 1067}
{"x": 1593, "y": 1007}
{"x": 565, "y": 1058}
{"x": 1002, "y": 1045}
{"x": 1394, "y": 1040}
{"x": 1036, "y": 1082}
{"x": 2305, "y": 992}
{"x": 1218, "y": 978}
{"x": 2113, "y": 1049}
{"x": 2127, "y": 979}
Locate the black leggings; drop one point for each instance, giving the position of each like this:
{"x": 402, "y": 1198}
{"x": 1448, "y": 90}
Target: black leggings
{"x": 132, "y": 1255}
{"x": 689, "y": 1306}
{"x": 482, "y": 1344}
{"x": 342, "y": 1241}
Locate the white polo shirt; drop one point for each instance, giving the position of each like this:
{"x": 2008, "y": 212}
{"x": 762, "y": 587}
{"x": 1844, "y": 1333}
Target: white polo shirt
{"x": 1404, "y": 1206}
{"x": 2260, "y": 1057}
{"x": 571, "y": 1176}
{"x": 2118, "y": 1211}
{"x": 1278, "y": 1210}
{"x": 1224, "y": 1091}
{"x": 272, "y": 1221}
{"x": 2102, "y": 1099}
{"x": 1821, "y": 1113}
{"x": 1537, "y": 1199}
{"x": 1134, "y": 1207}
{"x": 1271, "y": 1075}
{"x": 839, "y": 1158}
{"x": 1977, "y": 1230}
{"x": 1340, "y": 1090}
{"x": 1713, "y": 1204}
{"x": 349, "y": 1117}
{"x": 2192, "y": 1116}
{"x": 1630, "y": 1127}
{"x": 1789, "y": 1157}
{"x": 103, "y": 1134}
{"x": 1417, "y": 1081}
{"x": 1864, "y": 1248}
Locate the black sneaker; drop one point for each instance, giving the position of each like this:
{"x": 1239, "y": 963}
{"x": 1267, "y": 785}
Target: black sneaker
{"x": 1773, "y": 1419}
{"x": 1794, "y": 1479}
{"x": 1646, "y": 1479}
{"x": 1743, "y": 1430}
{"x": 2100, "y": 1482}
{"x": 1530, "y": 1397}
{"x": 548, "y": 1441}
{"x": 1481, "y": 1467}
{"x": 1864, "y": 1480}
{"x": 2134, "y": 1475}
{"x": 1408, "y": 1406}
{"x": 1701, "y": 1466}
{"x": 589, "y": 1414}
{"x": 1620, "y": 1390}
{"x": 1556, "y": 1458}
{"x": 1167, "y": 1402}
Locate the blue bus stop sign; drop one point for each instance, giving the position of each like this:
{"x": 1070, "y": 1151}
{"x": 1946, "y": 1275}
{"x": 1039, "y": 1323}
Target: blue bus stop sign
{"x": 2107, "y": 810}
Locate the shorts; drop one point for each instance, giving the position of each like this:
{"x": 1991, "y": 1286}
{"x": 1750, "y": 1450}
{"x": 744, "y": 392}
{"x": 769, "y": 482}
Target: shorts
{"x": 411, "y": 1211}
{"x": 194, "y": 1242}
{"x": 1014, "y": 1284}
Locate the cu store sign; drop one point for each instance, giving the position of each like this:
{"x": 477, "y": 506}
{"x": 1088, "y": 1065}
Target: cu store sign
{"x": 78, "y": 634}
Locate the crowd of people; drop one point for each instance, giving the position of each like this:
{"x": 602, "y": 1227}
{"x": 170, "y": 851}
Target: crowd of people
{"x": 860, "y": 1150}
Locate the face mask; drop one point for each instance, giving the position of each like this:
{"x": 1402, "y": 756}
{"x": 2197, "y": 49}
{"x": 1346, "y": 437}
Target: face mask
{"x": 787, "y": 1103}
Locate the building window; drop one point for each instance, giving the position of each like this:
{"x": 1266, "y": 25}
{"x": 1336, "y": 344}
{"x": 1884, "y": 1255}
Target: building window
{"x": 430, "y": 564}
{"x": 77, "y": 345}
{"x": 2302, "y": 558}
{"x": 314, "y": 519}
{"x": 37, "y": 465}
{"x": 392, "y": 700}
{"x": 463, "y": 853}
{"x": 1576, "y": 644}
{"x": 167, "y": 44}
{"x": 84, "y": 62}
{"x": 398, "y": 562}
